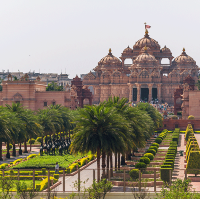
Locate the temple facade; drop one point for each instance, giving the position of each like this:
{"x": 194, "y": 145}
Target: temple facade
{"x": 146, "y": 78}
{"x": 33, "y": 95}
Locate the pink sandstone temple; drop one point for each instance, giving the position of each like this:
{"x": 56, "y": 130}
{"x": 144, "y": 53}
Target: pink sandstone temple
{"x": 146, "y": 78}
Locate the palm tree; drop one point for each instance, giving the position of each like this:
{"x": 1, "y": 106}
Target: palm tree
{"x": 99, "y": 128}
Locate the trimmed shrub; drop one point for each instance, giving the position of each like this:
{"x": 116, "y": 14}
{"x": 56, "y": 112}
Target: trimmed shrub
{"x": 154, "y": 147}
{"x": 56, "y": 176}
{"x": 146, "y": 160}
{"x": 134, "y": 174}
{"x": 155, "y": 144}
{"x": 151, "y": 151}
{"x": 190, "y": 117}
{"x": 149, "y": 155}
{"x": 174, "y": 117}
{"x": 44, "y": 171}
{"x": 140, "y": 165}
{"x": 164, "y": 172}
{"x": 169, "y": 163}
{"x": 31, "y": 141}
{"x": 158, "y": 140}
{"x": 39, "y": 139}
{"x": 193, "y": 162}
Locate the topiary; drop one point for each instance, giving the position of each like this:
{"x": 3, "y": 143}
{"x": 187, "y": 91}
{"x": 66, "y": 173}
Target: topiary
{"x": 39, "y": 139}
{"x": 149, "y": 155}
{"x": 31, "y": 141}
{"x": 134, "y": 174}
{"x": 151, "y": 151}
{"x": 190, "y": 117}
{"x": 146, "y": 160}
{"x": 155, "y": 144}
{"x": 140, "y": 165}
{"x": 158, "y": 140}
{"x": 154, "y": 147}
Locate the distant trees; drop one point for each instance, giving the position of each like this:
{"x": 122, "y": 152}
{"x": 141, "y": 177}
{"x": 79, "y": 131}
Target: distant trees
{"x": 53, "y": 86}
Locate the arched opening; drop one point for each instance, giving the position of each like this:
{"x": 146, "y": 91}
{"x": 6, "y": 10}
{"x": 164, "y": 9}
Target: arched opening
{"x": 128, "y": 61}
{"x": 154, "y": 93}
{"x": 134, "y": 94}
{"x": 145, "y": 94}
{"x": 165, "y": 61}
{"x": 91, "y": 89}
{"x": 178, "y": 101}
{"x": 86, "y": 101}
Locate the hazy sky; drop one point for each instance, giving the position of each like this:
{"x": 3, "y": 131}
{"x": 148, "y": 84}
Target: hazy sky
{"x": 54, "y": 35}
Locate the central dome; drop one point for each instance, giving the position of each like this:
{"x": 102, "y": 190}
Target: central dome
{"x": 146, "y": 41}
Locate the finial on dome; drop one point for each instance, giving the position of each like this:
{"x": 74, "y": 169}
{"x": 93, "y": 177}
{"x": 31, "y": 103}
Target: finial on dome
{"x": 146, "y": 32}
{"x": 183, "y": 49}
{"x": 109, "y": 50}
{"x": 145, "y": 48}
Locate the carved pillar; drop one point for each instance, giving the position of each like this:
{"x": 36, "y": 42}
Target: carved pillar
{"x": 150, "y": 91}
{"x": 122, "y": 61}
{"x": 159, "y": 92}
{"x": 130, "y": 92}
{"x": 138, "y": 92}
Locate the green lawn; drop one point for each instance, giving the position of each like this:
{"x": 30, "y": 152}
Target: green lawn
{"x": 49, "y": 161}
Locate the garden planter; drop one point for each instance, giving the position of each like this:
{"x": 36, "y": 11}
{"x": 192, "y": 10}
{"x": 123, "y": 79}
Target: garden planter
{"x": 194, "y": 179}
{"x": 130, "y": 163}
{"x": 155, "y": 163}
{"x": 138, "y": 154}
{"x": 157, "y": 158}
{"x": 135, "y": 158}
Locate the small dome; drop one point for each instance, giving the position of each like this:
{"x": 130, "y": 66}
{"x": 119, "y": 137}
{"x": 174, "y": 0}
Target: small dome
{"x": 148, "y": 42}
{"x": 128, "y": 50}
{"x": 146, "y": 49}
{"x": 184, "y": 59}
{"x": 166, "y": 50}
{"x": 109, "y": 59}
{"x": 145, "y": 57}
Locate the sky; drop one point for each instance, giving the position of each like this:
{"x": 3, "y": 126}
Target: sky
{"x": 54, "y": 36}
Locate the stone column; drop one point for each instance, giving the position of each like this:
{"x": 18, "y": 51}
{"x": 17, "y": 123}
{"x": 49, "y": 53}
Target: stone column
{"x": 138, "y": 92}
{"x": 150, "y": 91}
{"x": 130, "y": 92}
{"x": 159, "y": 92}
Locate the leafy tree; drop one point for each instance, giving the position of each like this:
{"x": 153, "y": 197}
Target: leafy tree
{"x": 100, "y": 128}
{"x": 54, "y": 87}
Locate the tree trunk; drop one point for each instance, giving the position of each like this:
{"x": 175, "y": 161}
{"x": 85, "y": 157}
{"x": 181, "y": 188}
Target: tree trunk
{"x": 8, "y": 153}
{"x": 25, "y": 147}
{"x": 20, "y": 148}
{"x": 115, "y": 161}
{"x": 1, "y": 151}
{"x": 123, "y": 159}
{"x": 98, "y": 164}
{"x": 103, "y": 163}
{"x": 111, "y": 165}
{"x": 128, "y": 155}
{"x": 14, "y": 150}
{"x": 118, "y": 161}
{"x": 30, "y": 144}
{"x": 107, "y": 164}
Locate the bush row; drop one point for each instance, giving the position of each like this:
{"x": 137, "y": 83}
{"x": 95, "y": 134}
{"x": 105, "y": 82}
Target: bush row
{"x": 192, "y": 152}
{"x": 170, "y": 157}
{"x": 151, "y": 152}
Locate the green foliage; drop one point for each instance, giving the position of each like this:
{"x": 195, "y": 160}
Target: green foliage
{"x": 165, "y": 173}
{"x": 158, "y": 140}
{"x": 44, "y": 171}
{"x": 140, "y": 165}
{"x": 149, "y": 155}
{"x": 39, "y": 139}
{"x": 54, "y": 87}
{"x": 99, "y": 189}
{"x": 146, "y": 160}
{"x": 174, "y": 117}
{"x": 154, "y": 148}
{"x": 155, "y": 144}
{"x": 6, "y": 185}
{"x": 10, "y": 146}
{"x": 56, "y": 176}
{"x": 31, "y": 141}
{"x": 151, "y": 151}
{"x": 134, "y": 174}
{"x": 193, "y": 162}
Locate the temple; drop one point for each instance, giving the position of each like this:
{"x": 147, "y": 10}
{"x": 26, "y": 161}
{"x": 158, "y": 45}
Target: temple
{"x": 147, "y": 78}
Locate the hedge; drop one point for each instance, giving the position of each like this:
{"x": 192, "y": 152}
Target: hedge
{"x": 134, "y": 174}
{"x": 164, "y": 174}
{"x": 149, "y": 155}
{"x": 151, "y": 151}
{"x": 146, "y": 160}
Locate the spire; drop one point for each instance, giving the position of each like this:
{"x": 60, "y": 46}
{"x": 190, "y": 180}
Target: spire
{"x": 110, "y": 51}
{"x": 183, "y": 53}
{"x": 146, "y": 33}
{"x": 183, "y": 49}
